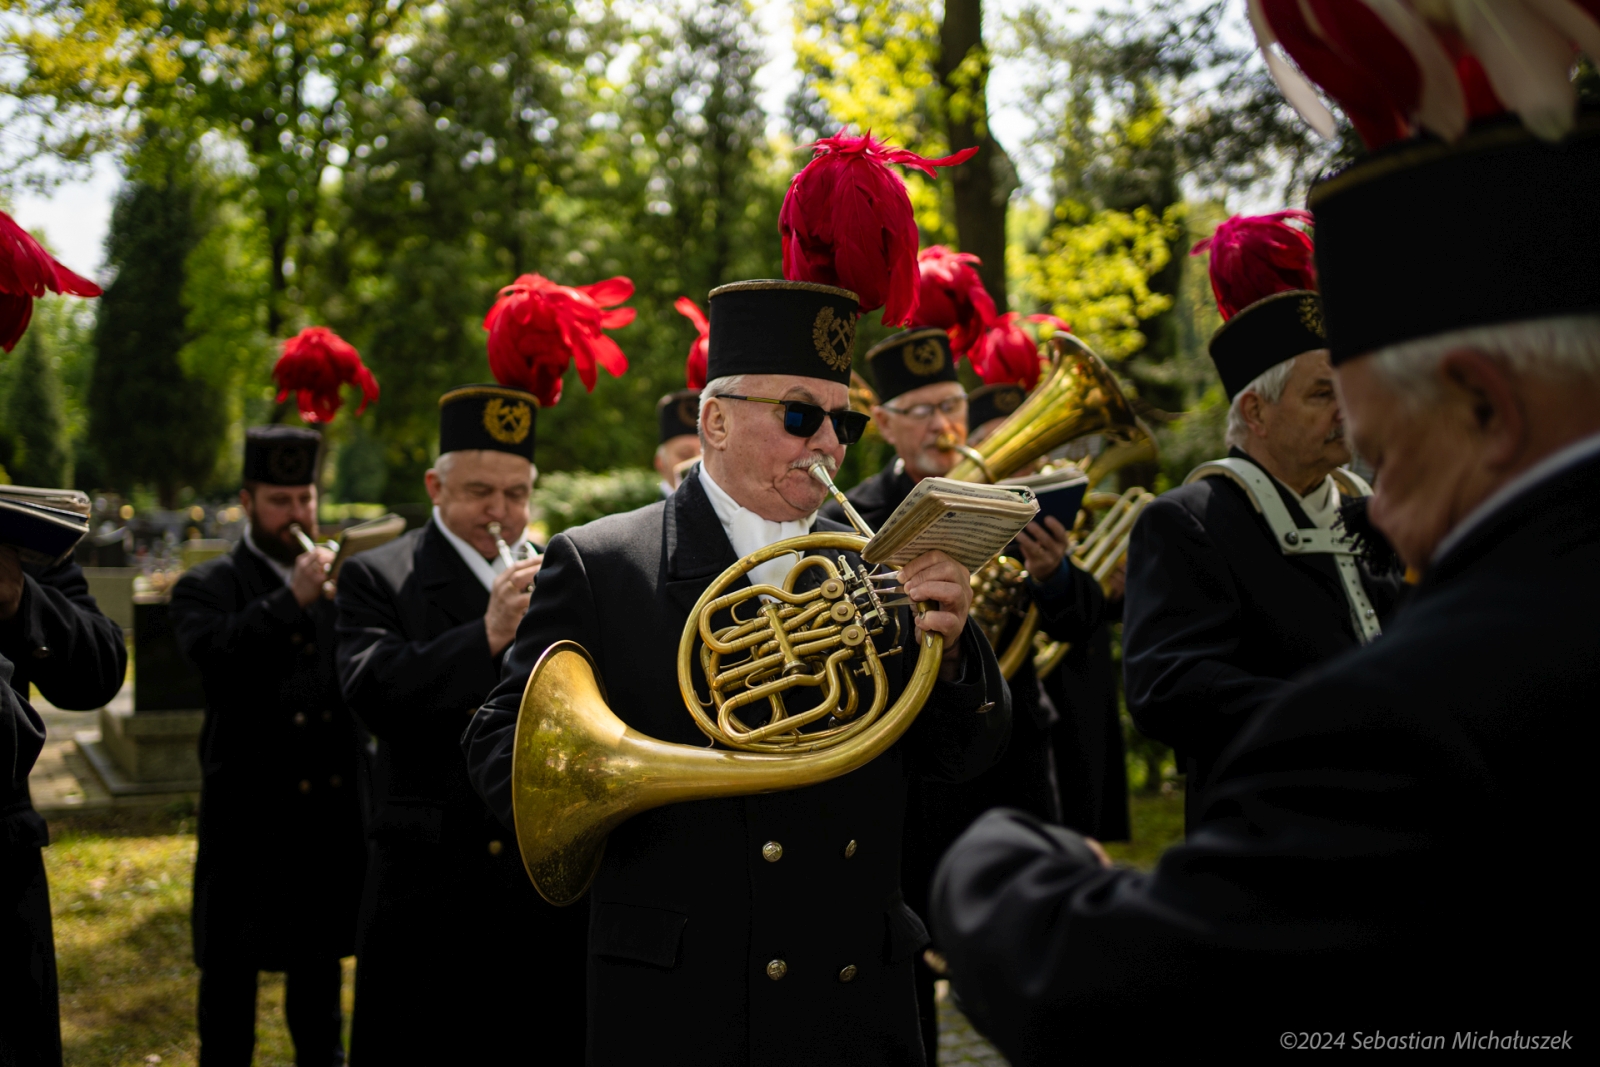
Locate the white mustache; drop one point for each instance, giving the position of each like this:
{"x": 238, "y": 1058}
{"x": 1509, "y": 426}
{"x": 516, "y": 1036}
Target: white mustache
{"x": 1335, "y": 434}
{"x": 805, "y": 463}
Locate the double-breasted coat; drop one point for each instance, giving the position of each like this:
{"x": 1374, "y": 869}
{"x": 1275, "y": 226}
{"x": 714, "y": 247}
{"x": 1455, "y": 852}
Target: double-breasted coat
{"x": 281, "y": 851}
{"x": 1217, "y": 619}
{"x": 705, "y": 946}
{"x": 1384, "y": 852}
{"x": 414, "y": 662}
{"x": 59, "y": 641}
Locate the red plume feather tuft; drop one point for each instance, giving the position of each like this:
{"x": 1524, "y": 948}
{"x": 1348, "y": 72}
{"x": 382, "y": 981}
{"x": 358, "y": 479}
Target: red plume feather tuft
{"x": 847, "y": 221}
{"x": 1005, "y": 352}
{"x": 314, "y": 364}
{"x": 950, "y": 295}
{"x": 28, "y": 271}
{"x": 1254, "y": 256}
{"x": 538, "y": 328}
{"x": 694, "y": 369}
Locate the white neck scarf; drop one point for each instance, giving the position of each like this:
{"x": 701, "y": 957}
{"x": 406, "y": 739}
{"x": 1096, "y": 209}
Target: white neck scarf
{"x": 1321, "y": 505}
{"x": 485, "y": 570}
{"x": 748, "y": 532}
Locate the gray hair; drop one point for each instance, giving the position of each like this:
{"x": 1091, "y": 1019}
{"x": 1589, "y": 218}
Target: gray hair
{"x": 1269, "y": 386}
{"x": 447, "y": 461}
{"x": 728, "y": 383}
{"x": 1567, "y": 345}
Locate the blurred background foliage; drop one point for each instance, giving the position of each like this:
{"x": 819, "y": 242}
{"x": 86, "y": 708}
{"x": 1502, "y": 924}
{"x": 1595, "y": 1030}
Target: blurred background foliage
{"x": 385, "y": 166}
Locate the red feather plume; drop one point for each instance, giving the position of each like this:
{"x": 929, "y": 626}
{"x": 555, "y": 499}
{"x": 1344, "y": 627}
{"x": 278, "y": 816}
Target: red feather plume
{"x": 314, "y": 364}
{"x": 1006, "y": 352}
{"x": 538, "y": 328}
{"x": 28, "y": 271}
{"x": 951, "y": 296}
{"x": 847, "y": 221}
{"x": 1254, "y": 256}
{"x": 694, "y": 369}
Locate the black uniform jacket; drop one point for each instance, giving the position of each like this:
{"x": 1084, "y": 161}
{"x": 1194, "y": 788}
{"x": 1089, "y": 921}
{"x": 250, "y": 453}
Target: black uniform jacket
{"x": 1386, "y": 845}
{"x": 59, "y": 641}
{"x": 278, "y": 877}
{"x": 686, "y": 913}
{"x": 1217, "y": 619}
{"x": 414, "y": 663}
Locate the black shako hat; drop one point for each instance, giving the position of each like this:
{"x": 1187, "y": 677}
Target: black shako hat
{"x": 909, "y": 360}
{"x": 991, "y": 402}
{"x": 282, "y": 455}
{"x": 781, "y": 327}
{"x": 492, "y": 417}
{"x": 678, "y": 414}
{"x": 1261, "y": 336}
{"x": 1426, "y": 238}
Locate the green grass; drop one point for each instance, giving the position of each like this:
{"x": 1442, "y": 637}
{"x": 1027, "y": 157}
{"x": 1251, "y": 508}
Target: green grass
{"x": 1157, "y": 825}
{"x": 120, "y": 891}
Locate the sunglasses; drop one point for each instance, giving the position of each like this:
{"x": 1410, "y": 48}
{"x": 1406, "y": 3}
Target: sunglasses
{"x": 802, "y": 420}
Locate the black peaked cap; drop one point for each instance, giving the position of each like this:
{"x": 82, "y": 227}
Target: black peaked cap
{"x": 1425, "y": 238}
{"x": 991, "y": 402}
{"x": 488, "y": 417}
{"x": 782, "y": 327}
{"x": 909, "y": 360}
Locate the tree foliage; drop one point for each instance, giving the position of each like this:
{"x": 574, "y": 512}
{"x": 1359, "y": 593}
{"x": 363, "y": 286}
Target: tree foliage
{"x": 36, "y": 424}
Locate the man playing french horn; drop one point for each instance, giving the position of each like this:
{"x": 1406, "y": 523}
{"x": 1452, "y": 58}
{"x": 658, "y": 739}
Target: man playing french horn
{"x": 767, "y": 928}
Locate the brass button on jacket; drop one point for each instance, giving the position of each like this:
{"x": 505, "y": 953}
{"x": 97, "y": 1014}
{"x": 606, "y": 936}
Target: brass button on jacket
{"x": 847, "y": 973}
{"x": 850, "y": 849}
{"x": 777, "y": 969}
{"x": 496, "y": 847}
{"x": 772, "y": 852}
{"x": 305, "y": 785}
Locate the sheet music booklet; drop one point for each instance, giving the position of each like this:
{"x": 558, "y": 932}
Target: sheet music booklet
{"x": 970, "y": 523}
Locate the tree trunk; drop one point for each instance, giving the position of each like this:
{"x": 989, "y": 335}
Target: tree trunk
{"x": 983, "y": 185}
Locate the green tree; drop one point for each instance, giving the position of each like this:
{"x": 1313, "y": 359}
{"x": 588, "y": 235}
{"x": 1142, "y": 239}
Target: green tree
{"x": 150, "y": 423}
{"x": 40, "y": 451}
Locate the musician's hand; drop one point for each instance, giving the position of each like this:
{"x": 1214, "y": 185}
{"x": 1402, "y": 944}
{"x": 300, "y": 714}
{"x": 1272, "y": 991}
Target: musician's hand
{"x": 1044, "y": 545}
{"x": 309, "y": 578}
{"x": 1117, "y": 580}
{"x": 508, "y": 602}
{"x": 935, "y": 576}
{"x": 10, "y": 582}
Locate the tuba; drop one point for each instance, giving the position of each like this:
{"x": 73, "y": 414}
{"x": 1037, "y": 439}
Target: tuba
{"x": 578, "y": 771}
{"x": 1078, "y": 396}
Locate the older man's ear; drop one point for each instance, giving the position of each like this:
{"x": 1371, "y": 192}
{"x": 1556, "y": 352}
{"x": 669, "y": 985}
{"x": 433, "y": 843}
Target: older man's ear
{"x": 714, "y": 425}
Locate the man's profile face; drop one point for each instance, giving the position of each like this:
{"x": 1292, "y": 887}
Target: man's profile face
{"x": 673, "y": 454}
{"x": 1423, "y": 458}
{"x": 1306, "y": 425}
{"x": 272, "y": 509}
{"x": 481, "y": 487}
{"x": 915, "y": 439}
{"x": 759, "y": 463}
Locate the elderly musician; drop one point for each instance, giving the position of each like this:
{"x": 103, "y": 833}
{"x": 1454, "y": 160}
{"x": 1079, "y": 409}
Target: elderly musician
{"x": 278, "y": 876}
{"x": 771, "y": 928}
{"x": 1234, "y": 582}
{"x": 1379, "y": 857}
{"x": 424, "y": 624}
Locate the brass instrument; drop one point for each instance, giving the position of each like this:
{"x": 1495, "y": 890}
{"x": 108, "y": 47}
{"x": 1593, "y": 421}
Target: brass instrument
{"x": 578, "y": 771}
{"x": 1078, "y": 396}
{"x": 525, "y": 550}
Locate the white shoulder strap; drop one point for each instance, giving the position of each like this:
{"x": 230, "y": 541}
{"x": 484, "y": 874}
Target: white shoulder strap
{"x": 1291, "y": 539}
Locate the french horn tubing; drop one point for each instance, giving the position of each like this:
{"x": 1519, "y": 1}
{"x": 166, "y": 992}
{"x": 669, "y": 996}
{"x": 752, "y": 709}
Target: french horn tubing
{"x": 578, "y": 771}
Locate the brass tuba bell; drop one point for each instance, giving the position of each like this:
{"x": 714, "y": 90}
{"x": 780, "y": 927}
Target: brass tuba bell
{"x": 578, "y": 771}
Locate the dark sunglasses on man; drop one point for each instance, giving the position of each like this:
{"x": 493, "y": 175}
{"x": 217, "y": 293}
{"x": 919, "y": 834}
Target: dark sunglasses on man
{"x": 802, "y": 420}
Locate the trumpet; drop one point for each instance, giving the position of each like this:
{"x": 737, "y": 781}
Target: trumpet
{"x": 525, "y": 550}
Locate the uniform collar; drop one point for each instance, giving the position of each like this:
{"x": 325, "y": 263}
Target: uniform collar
{"x": 748, "y": 532}
{"x": 482, "y": 569}
{"x": 1547, "y": 468}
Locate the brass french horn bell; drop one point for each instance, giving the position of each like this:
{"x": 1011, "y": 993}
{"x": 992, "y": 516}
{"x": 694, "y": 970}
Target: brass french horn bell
{"x": 578, "y": 771}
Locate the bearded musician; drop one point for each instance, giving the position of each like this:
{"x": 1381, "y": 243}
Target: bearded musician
{"x": 763, "y": 929}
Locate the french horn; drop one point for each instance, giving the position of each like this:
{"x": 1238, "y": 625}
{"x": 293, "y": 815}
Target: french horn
{"x": 578, "y": 771}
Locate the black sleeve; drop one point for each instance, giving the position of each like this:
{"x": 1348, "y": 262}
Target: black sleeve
{"x": 963, "y": 728}
{"x": 1182, "y": 613}
{"x": 1346, "y": 817}
{"x": 563, "y": 609}
{"x": 1071, "y": 603}
{"x": 394, "y": 685}
{"x": 219, "y": 637}
{"x": 75, "y": 655}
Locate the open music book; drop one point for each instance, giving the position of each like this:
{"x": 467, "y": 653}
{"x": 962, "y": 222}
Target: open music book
{"x": 1060, "y": 493}
{"x": 43, "y": 524}
{"x": 969, "y": 523}
{"x": 366, "y": 535}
